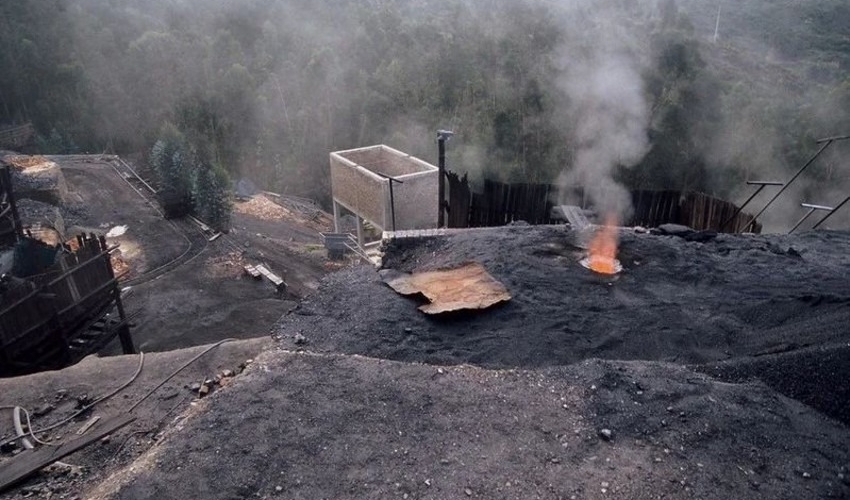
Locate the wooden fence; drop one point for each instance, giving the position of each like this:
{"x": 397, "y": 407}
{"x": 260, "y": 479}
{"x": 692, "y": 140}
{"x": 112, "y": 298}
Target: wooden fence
{"x": 57, "y": 317}
{"x": 16, "y": 136}
{"x": 499, "y": 204}
{"x": 10, "y": 223}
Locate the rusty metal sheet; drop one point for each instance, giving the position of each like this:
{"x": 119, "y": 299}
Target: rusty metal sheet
{"x": 469, "y": 286}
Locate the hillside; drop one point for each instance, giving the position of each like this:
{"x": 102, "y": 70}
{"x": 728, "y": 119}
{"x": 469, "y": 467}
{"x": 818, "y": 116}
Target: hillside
{"x": 678, "y": 378}
{"x": 532, "y": 88}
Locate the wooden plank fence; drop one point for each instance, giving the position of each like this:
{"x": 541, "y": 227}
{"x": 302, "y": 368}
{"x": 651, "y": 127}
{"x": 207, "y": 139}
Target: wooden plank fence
{"x": 499, "y": 204}
{"x": 45, "y": 319}
{"x": 502, "y": 204}
{"x": 16, "y": 136}
{"x": 10, "y": 222}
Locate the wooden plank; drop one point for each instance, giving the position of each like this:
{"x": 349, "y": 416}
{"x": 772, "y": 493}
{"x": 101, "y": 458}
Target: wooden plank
{"x": 252, "y": 271}
{"x": 275, "y": 279}
{"x": 31, "y": 461}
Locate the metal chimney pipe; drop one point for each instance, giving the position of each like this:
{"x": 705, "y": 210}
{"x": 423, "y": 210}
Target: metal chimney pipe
{"x": 442, "y": 137}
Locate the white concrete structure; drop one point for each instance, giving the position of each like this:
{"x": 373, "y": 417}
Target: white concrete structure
{"x": 360, "y": 182}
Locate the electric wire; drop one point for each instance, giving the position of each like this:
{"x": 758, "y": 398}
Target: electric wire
{"x": 174, "y": 374}
{"x": 7, "y": 440}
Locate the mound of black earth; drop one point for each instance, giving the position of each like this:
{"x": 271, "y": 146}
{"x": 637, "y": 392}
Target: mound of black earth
{"x": 738, "y": 307}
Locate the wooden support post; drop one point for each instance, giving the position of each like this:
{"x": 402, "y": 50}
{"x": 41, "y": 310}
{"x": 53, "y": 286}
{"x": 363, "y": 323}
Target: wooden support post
{"x": 124, "y": 333}
{"x": 360, "y": 237}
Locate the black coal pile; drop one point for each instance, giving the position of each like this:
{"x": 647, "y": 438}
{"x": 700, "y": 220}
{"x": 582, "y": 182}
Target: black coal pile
{"x": 34, "y": 212}
{"x": 736, "y": 306}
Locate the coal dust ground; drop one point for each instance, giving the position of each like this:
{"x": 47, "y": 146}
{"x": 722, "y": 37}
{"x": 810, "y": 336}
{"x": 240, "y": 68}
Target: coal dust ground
{"x": 736, "y": 306}
{"x": 711, "y": 370}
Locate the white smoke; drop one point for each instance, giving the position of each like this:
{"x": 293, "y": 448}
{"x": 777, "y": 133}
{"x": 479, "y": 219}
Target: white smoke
{"x": 609, "y": 113}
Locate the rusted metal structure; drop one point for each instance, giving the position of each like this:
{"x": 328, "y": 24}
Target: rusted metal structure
{"x": 65, "y": 312}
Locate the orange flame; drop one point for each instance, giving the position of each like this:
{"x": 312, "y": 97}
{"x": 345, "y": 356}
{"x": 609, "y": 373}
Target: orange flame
{"x": 602, "y": 250}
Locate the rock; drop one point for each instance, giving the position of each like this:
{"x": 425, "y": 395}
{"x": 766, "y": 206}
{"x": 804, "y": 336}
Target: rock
{"x": 204, "y": 390}
{"x": 606, "y": 434}
{"x": 408, "y": 330}
{"x": 43, "y": 410}
{"x": 83, "y": 401}
{"x": 675, "y": 230}
{"x": 227, "y": 373}
{"x": 195, "y": 387}
{"x": 701, "y": 236}
{"x": 168, "y": 395}
{"x": 300, "y": 339}
{"x": 278, "y": 488}
{"x": 468, "y": 492}
{"x": 793, "y": 252}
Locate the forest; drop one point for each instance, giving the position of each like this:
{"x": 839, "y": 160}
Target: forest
{"x": 652, "y": 94}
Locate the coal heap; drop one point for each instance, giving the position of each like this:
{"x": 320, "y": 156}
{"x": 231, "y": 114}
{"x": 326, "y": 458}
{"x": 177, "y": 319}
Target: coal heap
{"x": 773, "y": 308}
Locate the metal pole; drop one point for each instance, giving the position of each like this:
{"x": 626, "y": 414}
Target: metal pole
{"x": 761, "y": 185}
{"x": 810, "y": 212}
{"x": 826, "y": 144}
{"x": 392, "y": 203}
{"x": 442, "y": 137}
{"x": 827, "y": 216}
{"x": 392, "y": 197}
{"x": 812, "y": 209}
{"x": 831, "y": 139}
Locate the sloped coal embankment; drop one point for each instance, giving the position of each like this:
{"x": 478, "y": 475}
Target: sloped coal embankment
{"x": 775, "y": 308}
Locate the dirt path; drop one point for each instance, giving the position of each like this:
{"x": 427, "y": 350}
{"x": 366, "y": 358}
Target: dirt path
{"x": 181, "y": 289}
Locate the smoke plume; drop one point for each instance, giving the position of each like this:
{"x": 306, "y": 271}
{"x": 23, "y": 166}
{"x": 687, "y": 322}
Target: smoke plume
{"x": 608, "y": 111}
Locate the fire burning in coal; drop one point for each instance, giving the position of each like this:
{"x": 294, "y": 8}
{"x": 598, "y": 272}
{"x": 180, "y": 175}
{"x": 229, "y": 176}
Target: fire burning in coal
{"x": 602, "y": 249}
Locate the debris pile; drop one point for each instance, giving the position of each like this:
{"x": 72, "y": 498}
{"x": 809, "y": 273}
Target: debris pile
{"x": 26, "y": 161}
{"x": 228, "y": 265}
{"x": 261, "y": 207}
{"x": 206, "y": 386}
{"x": 38, "y": 214}
{"x": 286, "y": 208}
{"x": 37, "y": 178}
